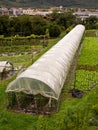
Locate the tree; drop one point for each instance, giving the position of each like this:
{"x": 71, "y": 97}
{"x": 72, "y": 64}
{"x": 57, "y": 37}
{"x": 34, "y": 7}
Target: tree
{"x": 71, "y": 19}
{"x": 4, "y": 21}
{"x": 11, "y": 27}
{"x": 62, "y": 20}
{"x": 90, "y": 22}
{"x": 54, "y": 16}
{"x": 25, "y": 25}
{"x": 39, "y": 25}
{"x": 54, "y": 30}
{"x": 14, "y": 26}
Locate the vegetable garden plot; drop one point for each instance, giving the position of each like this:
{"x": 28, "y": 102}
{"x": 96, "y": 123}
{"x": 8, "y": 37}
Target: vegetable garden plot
{"x": 22, "y": 44}
{"x": 87, "y": 69}
{"x": 86, "y": 80}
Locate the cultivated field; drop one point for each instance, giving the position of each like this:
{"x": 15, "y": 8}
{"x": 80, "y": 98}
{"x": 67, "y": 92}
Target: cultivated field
{"x": 74, "y": 113}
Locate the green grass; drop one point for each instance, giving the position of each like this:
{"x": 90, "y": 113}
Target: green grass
{"x": 74, "y": 114}
{"x": 89, "y": 54}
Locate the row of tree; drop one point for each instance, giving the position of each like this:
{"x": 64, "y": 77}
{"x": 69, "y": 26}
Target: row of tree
{"x": 52, "y": 24}
{"x": 91, "y": 22}
{"x": 38, "y": 25}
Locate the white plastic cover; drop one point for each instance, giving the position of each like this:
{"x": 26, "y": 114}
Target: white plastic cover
{"x": 47, "y": 75}
{"x": 5, "y": 66}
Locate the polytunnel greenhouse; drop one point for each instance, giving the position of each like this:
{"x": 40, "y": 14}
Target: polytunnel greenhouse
{"x": 47, "y": 75}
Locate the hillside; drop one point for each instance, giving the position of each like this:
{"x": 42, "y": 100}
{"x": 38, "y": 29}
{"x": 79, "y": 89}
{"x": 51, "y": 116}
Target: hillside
{"x": 48, "y": 3}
